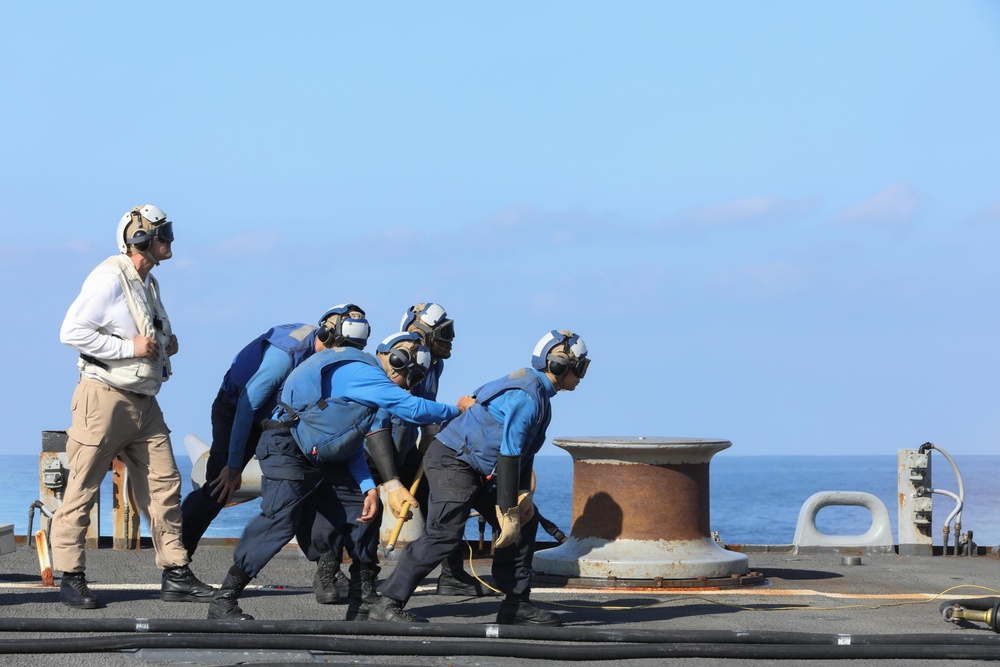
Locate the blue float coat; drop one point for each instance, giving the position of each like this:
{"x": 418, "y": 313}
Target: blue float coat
{"x": 404, "y": 433}
{"x": 351, "y": 381}
{"x": 258, "y": 394}
{"x": 256, "y": 374}
{"x": 509, "y": 418}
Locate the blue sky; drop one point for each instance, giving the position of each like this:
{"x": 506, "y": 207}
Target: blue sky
{"x": 774, "y": 223}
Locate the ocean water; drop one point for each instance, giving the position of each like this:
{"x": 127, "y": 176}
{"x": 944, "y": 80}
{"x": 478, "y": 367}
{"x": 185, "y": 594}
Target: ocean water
{"x": 754, "y": 499}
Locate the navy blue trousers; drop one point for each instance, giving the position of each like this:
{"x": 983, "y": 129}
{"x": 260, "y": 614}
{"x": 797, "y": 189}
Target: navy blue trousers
{"x": 316, "y": 536}
{"x": 455, "y": 489}
{"x": 199, "y": 508}
{"x": 292, "y": 488}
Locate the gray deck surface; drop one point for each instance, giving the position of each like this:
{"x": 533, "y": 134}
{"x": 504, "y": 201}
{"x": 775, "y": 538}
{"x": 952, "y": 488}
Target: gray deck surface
{"x": 893, "y": 596}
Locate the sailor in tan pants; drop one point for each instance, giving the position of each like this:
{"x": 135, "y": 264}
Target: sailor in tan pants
{"x": 119, "y": 326}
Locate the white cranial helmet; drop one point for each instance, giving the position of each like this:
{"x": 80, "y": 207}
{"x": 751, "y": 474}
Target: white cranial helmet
{"x": 138, "y": 227}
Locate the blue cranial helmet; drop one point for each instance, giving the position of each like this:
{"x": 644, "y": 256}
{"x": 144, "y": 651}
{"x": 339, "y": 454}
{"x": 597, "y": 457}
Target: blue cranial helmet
{"x": 560, "y": 351}
{"x": 344, "y": 326}
{"x": 430, "y": 320}
{"x": 405, "y": 355}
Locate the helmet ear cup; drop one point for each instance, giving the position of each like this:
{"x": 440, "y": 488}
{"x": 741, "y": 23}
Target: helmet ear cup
{"x": 557, "y": 367}
{"x": 141, "y": 246}
{"x": 399, "y": 359}
{"x": 324, "y": 335}
{"x": 406, "y": 364}
{"x": 140, "y": 233}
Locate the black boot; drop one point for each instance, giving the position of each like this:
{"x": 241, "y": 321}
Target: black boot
{"x": 361, "y": 587}
{"x": 224, "y": 603}
{"x": 387, "y": 609}
{"x": 180, "y": 585}
{"x": 516, "y": 610}
{"x": 325, "y": 580}
{"x": 361, "y": 590}
{"x": 454, "y": 580}
{"x": 73, "y": 591}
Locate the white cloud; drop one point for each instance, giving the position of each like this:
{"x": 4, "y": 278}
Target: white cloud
{"x": 529, "y": 228}
{"x": 748, "y": 210}
{"x": 509, "y": 230}
{"x": 991, "y": 214}
{"x": 254, "y": 242}
{"x": 399, "y": 243}
{"x": 896, "y": 205}
{"x": 776, "y": 279}
{"x": 78, "y": 245}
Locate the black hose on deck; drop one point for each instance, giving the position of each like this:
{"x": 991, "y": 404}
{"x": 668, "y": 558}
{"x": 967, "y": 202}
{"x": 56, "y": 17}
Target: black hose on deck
{"x": 483, "y": 631}
{"x": 525, "y": 650}
{"x": 550, "y": 527}
{"x": 981, "y": 604}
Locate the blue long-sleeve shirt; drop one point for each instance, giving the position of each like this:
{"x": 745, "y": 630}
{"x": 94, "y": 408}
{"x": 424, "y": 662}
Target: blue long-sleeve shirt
{"x": 518, "y": 413}
{"x": 510, "y": 418}
{"x": 274, "y": 367}
{"x": 369, "y": 386}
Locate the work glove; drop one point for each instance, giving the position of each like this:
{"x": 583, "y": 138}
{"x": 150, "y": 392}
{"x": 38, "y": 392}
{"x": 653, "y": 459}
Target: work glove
{"x": 525, "y": 503}
{"x": 513, "y": 507}
{"x": 399, "y": 496}
{"x": 511, "y": 520}
{"x": 510, "y": 526}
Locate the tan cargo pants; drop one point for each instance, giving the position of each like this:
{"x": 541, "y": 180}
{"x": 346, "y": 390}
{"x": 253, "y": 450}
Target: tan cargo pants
{"x": 108, "y": 422}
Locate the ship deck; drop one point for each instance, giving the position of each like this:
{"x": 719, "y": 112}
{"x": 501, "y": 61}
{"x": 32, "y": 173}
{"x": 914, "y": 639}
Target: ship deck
{"x": 816, "y": 607}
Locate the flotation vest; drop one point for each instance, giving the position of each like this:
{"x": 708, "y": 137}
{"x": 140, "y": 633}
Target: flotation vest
{"x": 476, "y": 435}
{"x": 404, "y": 433}
{"x": 328, "y": 429}
{"x": 137, "y": 374}
{"x": 298, "y": 341}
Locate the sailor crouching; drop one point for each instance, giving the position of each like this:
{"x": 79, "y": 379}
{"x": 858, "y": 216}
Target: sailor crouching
{"x": 496, "y": 439}
{"x": 312, "y": 456}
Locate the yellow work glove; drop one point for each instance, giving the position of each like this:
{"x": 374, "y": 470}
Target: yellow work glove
{"x": 510, "y": 526}
{"x": 526, "y": 504}
{"x": 399, "y": 496}
{"x": 511, "y": 520}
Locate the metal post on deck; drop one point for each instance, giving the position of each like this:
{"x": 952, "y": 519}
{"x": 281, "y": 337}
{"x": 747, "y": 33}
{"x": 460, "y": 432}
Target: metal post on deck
{"x": 125, "y": 514}
{"x": 913, "y": 472}
{"x": 53, "y": 472}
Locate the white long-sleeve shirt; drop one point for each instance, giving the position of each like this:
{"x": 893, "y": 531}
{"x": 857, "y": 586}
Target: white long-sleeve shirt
{"x": 98, "y": 322}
